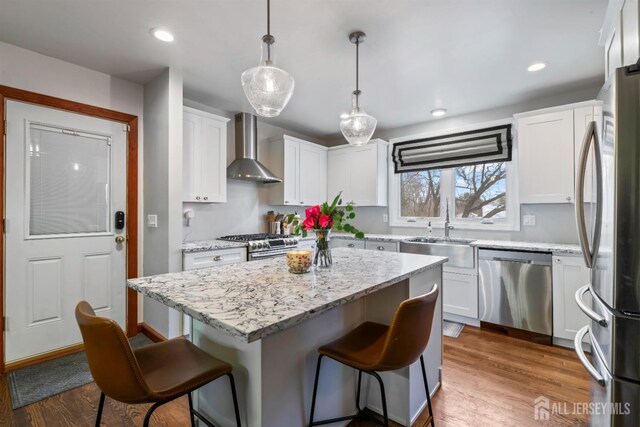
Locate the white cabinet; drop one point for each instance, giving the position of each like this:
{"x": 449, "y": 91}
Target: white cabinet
{"x": 215, "y": 258}
{"x": 460, "y": 294}
{"x": 204, "y": 158}
{"x": 620, "y": 35}
{"x": 303, "y": 168}
{"x": 360, "y": 173}
{"x": 569, "y": 274}
{"x": 630, "y": 32}
{"x": 545, "y": 159}
{"x": 377, "y": 245}
{"x": 347, "y": 243}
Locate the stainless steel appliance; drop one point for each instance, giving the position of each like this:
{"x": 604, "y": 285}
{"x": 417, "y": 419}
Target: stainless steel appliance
{"x": 261, "y": 246}
{"x": 516, "y": 293}
{"x": 608, "y": 218}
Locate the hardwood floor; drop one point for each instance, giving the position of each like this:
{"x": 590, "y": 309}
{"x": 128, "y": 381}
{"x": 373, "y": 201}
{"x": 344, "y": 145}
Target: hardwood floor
{"x": 488, "y": 380}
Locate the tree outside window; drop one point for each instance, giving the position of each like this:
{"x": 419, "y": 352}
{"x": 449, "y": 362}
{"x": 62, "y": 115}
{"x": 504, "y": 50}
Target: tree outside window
{"x": 481, "y": 190}
{"x": 420, "y": 194}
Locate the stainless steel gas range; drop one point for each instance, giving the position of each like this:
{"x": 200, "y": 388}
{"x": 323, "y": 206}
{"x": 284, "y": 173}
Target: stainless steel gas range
{"x": 261, "y": 246}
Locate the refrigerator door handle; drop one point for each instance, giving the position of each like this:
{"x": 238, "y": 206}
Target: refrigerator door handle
{"x": 577, "y": 342}
{"x": 591, "y": 135}
{"x": 586, "y": 309}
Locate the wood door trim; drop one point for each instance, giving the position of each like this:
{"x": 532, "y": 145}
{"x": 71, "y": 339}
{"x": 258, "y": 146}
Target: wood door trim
{"x": 75, "y": 348}
{"x": 10, "y": 93}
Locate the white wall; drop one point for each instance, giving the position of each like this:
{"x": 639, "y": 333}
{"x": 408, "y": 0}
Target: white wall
{"x": 163, "y": 190}
{"x": 27, "y": 70}
{"x": 247, "y": 205}
{"x": 554, "y": 223}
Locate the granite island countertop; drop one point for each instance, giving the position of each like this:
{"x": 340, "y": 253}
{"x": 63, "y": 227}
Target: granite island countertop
{"x": 210, "y": 245}
{"x": 253, "y": 300}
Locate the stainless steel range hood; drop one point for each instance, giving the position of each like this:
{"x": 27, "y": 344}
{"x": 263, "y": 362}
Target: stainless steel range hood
{"x": 246, "y": 165}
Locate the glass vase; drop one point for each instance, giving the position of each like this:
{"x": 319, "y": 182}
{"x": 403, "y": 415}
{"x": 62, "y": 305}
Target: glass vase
{"x": 322, "y": 251}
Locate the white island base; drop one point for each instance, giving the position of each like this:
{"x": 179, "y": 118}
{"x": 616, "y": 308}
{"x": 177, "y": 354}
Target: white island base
{"x": 274, "y": 375}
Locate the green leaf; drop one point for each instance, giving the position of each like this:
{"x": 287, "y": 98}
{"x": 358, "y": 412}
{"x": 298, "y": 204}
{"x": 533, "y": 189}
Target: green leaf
{"x": 351, "y": 215}
{"x": 359, "y": 235}
{"x": 335, "y": 201}
{"x": 349, "y": 208}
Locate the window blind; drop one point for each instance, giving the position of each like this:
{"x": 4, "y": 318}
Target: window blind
{"x": 486, "y": 145}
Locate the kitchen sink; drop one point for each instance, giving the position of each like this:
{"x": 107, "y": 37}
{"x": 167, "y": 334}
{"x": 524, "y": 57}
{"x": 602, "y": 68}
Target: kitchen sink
{"x": 458, "y": 251}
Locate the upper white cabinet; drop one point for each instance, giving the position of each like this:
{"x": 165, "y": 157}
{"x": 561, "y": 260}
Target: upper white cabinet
{"x": 303, "y": 168}
{"x": 548, "y": 146}
{"x": 620, "y": 35}
{"x": 204, "y": 158}
{"x": 360, "y": 173}
{"x": 545, "y": 147}
{"x": 569, "y": 274}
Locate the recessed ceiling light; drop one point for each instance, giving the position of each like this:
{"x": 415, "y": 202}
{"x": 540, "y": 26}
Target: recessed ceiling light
{"x": 439, "y": 112}
{"x": 537, "y": 66}
{"x": 162, "y": 35}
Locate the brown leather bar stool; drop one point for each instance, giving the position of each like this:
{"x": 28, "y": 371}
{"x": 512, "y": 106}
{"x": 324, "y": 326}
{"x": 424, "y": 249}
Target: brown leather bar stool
{"x": 157, "y": 373}
{"x": 373, "y": 348}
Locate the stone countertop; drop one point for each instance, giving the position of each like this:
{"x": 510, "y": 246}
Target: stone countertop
{"x": 210, "y": 245}
{"x": 556, "y": 248}
{"x": 253, "y": 300}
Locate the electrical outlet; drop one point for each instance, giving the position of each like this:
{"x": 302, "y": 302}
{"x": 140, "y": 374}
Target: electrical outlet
{"x": 385, "y": 218}
{"x": 152, "y": 221}
{"x": 528, "y": 220}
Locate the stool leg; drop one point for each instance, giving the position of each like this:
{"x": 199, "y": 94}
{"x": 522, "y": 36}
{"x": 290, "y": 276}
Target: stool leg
{"x": 315, "y": 389}
{"x": 100, "y": 406}
{"x": 384, "y": 399}
{"x": 235, "y": 398}
{"x": 358, "y": 394}
{"x": 149, "y": 412}
{"x": 191, "y": 415}
{"x": 426, "y": 389}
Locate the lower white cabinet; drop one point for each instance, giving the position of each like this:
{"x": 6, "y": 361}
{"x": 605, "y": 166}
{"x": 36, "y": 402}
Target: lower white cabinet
{"x": 347, "y": 243}
{"x": 460, "y": 294}
{"x": 569, "y": 274}
{"x": 205, "y": 259}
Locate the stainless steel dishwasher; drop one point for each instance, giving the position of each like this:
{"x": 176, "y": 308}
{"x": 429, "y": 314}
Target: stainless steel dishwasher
{"x": 516, "y": 293}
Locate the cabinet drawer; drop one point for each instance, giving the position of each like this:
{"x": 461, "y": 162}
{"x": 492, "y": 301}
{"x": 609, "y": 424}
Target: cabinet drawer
{"x": 347, "y": 243}
{"x": 381, "y": 246}
{"x": 460, "y": 294}
{"x": 205, "y": 259}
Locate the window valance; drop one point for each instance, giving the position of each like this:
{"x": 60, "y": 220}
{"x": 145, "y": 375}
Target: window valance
{"x": 491, "y": 144}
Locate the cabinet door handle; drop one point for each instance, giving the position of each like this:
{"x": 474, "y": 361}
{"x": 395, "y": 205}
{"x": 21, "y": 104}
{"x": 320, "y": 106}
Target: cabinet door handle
{"x": 381, "y": 248}
{"x": 351, "y": 245}
{"x": 197, "y": 197}
{"x": 206, "y": 198}
{"x": 286, "y": 201}
{"x": 568, "y": 198}
{"x": 218, "y": 258}
{"x": 302, "y": 203}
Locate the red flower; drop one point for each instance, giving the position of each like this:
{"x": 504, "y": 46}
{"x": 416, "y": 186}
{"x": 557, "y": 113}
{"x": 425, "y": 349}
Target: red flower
{"x": 325, "y": 221}
{"x": 313, "y": 212}
{"x": 309, "y": 223}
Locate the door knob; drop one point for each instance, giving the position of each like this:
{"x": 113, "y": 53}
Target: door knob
{"x": 120, "y": 239}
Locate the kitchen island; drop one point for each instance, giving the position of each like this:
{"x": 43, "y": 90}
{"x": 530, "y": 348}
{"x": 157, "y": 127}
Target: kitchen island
{"x": 268, "y": 323}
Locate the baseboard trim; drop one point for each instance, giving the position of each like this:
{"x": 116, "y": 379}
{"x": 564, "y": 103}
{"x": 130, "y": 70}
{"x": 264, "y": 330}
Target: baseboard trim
{"x": 23, "y": 363}
{"x": 151, "y": 333}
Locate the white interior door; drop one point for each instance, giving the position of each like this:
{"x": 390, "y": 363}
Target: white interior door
{"x": 65, "y": 180}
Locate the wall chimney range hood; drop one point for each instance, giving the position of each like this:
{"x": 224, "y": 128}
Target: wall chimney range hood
{"x": 246, "y": 165}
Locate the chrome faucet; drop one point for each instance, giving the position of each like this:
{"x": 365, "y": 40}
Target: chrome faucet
{"x": 447, "y": 224}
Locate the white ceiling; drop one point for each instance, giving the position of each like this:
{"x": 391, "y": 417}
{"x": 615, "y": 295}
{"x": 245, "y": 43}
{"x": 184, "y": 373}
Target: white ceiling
{"x": 463, "y": 55}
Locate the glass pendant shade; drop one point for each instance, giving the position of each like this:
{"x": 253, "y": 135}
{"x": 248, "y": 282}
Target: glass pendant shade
{"x": 267, "y": 87}
{"x": 358, "y": 126}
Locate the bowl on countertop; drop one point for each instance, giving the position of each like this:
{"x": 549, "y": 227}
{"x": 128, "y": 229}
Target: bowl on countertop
{"x": 299, "y": 261}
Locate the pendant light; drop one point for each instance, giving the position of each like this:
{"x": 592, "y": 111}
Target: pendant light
{"x": 357, "y": 127}
{"x": 267, "y": 87}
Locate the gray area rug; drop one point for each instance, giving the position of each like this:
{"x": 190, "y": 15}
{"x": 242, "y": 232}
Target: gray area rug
{"x": 34, "y": 383}
{"x": 452, "y": 329}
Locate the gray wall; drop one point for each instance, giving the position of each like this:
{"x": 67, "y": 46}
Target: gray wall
{"x": 554, "y": 222}
{"x": 163, "y": 190}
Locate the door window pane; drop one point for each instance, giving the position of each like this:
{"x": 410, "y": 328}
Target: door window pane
{"x": 420, "y": 194}
{"x": 481, "y": 191}
{"x": 68, "y": 184}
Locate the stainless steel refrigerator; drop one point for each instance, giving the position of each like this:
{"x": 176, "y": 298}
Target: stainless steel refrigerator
{"x": 608, "y": 217}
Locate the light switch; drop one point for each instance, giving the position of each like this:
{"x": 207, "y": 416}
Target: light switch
{"x": 152, "y": 221}
{"x": 528, "y": 220}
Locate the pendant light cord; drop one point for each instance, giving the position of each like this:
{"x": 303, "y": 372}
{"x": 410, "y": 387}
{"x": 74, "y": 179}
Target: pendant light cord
{"x": 269, "y": 32}
{"x": 357, "y": 91}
